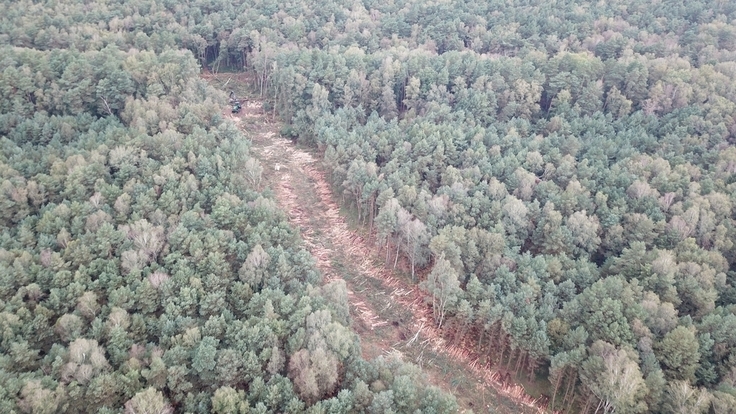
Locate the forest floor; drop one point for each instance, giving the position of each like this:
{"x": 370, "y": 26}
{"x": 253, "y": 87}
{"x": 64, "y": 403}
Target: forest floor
{"x": 388, "y": 313}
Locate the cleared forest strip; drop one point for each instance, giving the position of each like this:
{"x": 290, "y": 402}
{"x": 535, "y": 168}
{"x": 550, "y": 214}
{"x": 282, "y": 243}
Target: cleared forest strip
{"x": 285, "y": 164}
{"x": 298, "y": 182}
{"x": 408, "y": 296}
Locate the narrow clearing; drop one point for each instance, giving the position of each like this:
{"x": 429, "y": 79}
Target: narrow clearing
{"x": 389, "y": 314}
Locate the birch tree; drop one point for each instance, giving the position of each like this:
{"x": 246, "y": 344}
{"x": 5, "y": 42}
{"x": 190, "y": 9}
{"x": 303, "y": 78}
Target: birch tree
{"x": 444, "y": 286}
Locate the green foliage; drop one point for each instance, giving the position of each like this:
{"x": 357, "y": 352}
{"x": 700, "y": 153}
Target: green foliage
{"x": 148, "y": 401}
{"x": 678, "y": 354}
{"x": 570, "y": 165}
{"x": 142, "y": 270}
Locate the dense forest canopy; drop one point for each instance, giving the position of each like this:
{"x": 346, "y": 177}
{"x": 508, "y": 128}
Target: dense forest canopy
{"x": 140, "y": 269}
{"x": 559, "y": 177}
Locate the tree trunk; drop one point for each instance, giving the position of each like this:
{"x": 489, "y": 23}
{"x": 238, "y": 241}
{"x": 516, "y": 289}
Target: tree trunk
{"x": 396, "y": 259}
{"x": 263, "y": 74}
{"x": 460, "y": 333}
{"x": 442, "y": 316}
{"x": 511, "y": 358}
{"x": 570, "y": 404}
{"x": 570, "y": 391}
{"x": 531, "y": 364}
{"x": 557, "y": 387}
{"x": 502, "y": 343}
{"x": 388, "y": 248}
{"x": 520, "y": 362}
{"x": 371, "y": 206}
{"x": 500, "y": 357}
{"x": 357, "y": 204}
